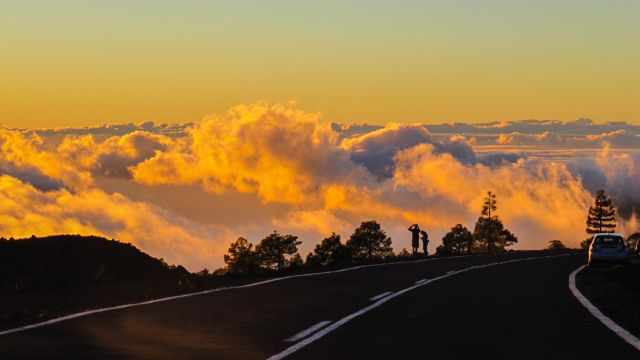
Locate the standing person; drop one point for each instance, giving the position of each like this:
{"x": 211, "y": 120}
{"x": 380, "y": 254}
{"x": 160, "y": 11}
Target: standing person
{"x": 425, "y": 242}
{"x": 415, "y": 241}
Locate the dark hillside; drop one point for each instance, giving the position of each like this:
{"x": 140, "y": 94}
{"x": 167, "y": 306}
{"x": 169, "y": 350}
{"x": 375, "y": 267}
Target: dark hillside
{"x": 45, "y": 277}
{"x": 66, "y": 262}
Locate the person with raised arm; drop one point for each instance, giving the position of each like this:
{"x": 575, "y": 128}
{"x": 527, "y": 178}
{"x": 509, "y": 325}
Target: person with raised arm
{"x": 415, "y": 238}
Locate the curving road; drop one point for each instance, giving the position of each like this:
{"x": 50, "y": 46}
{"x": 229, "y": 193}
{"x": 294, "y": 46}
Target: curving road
{"x": 521, "y": 309}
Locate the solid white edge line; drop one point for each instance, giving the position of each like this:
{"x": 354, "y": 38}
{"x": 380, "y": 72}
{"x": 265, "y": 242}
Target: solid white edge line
{"x": 420, "y": 281}
{"x": 619, "y": 330}
{"x": 297, "y": 346}
{"x": 380, "y": 296}
{"x": 204, "y": 292}
{"x": 310, "y": 330}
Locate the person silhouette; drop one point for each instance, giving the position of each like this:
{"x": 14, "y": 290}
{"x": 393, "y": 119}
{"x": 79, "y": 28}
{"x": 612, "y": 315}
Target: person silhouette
{"x": 415, "y": 241}
{"x": 425, "y": 242}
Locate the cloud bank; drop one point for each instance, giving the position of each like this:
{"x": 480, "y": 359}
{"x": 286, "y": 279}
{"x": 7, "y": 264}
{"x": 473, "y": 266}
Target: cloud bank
{"x": 262, "y": 166}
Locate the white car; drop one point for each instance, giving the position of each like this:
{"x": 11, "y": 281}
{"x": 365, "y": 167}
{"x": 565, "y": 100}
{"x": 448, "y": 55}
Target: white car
{"x": 608, "y": 248}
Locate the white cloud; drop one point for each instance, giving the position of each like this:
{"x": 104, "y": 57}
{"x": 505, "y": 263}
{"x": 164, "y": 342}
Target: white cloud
{"x": 184, "y": 192}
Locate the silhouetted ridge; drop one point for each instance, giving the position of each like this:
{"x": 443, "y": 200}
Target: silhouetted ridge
{"x": 45, "y": 277}
{"x": 58, "y": 262}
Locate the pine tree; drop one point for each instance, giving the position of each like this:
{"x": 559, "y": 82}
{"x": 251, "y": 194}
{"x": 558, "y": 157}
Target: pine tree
{"x": 277, "y": 251}
{"x": 489, "y": 232}
{"x": 240, "y": 258}
{"x": 602, "y": 215}
{"x": 456, "y": 242}
{"x": 489, "y": 205}
{"x": 486, "y": 230}
{"x": 369, "y": 242}
{"x": 329, "y": 252}
{"x": 556, "y": 245}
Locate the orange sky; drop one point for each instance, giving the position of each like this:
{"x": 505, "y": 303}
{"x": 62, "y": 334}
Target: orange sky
{"x": 72, "y": 63}
{"x": 261, "y": 80}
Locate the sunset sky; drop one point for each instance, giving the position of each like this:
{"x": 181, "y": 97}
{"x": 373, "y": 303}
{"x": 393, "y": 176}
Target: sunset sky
{"x": 78, "y": 63}
{"x": 180, "y": 126}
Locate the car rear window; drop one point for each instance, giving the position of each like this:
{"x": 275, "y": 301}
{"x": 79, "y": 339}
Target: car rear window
{"x": 608, "y": 241}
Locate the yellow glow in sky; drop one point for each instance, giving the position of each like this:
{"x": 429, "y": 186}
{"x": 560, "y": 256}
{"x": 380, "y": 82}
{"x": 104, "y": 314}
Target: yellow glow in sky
{"x": 73, "y": 63}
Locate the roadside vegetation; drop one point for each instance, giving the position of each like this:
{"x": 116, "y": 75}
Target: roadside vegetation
{"x": 278, "y": 253}
{"x": 601, "y": 217}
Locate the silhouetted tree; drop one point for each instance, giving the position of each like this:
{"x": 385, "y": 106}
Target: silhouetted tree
{"x": 329, "y": 252}
{"x": 489, "y": 205}
{"x": 240, "y": 257}
{"x": 404, "y": 254}
{"x": 370, "y": 242}
{"x": 276, "y": 251}
{"x": 602, "y": 215}
{"x": 442, "y": 251}
{"x": 204, "y": 272}
{"x": 632, "y": 240}
{"x": 556, "y": 245}
{"x": 505, "y": 239}
{"x": 219, "y": 271}
{"x": 295, "y": 262}
{"x": 584, "y": 244}
{"x": 457, "y": 241}
{"x": 489, "y": 232}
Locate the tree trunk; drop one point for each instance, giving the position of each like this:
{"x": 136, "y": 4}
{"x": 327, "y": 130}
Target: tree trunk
{"x": 600, "y": 221}
{"x": 491, "y": 245}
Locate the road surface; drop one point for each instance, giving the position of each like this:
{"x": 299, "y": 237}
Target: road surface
{"x": 516, "y": 310}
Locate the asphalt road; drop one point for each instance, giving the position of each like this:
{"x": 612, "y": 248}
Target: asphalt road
{"x": 518, "y": 310}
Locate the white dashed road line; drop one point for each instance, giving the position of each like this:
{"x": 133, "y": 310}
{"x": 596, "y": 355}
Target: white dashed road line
{"x": 327, "y": 330}
{"x": 304, "y": 333}
{"x": 380, "y": 296}
{"x": 204, "y": 292}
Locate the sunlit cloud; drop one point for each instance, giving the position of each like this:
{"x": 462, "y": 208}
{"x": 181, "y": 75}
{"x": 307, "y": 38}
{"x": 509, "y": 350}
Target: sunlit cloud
{"x": 261, "y": 167}
{"x": 113, "y": 156}
{"x": 276, "y": 151}
{"x": 26, "y": 211}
